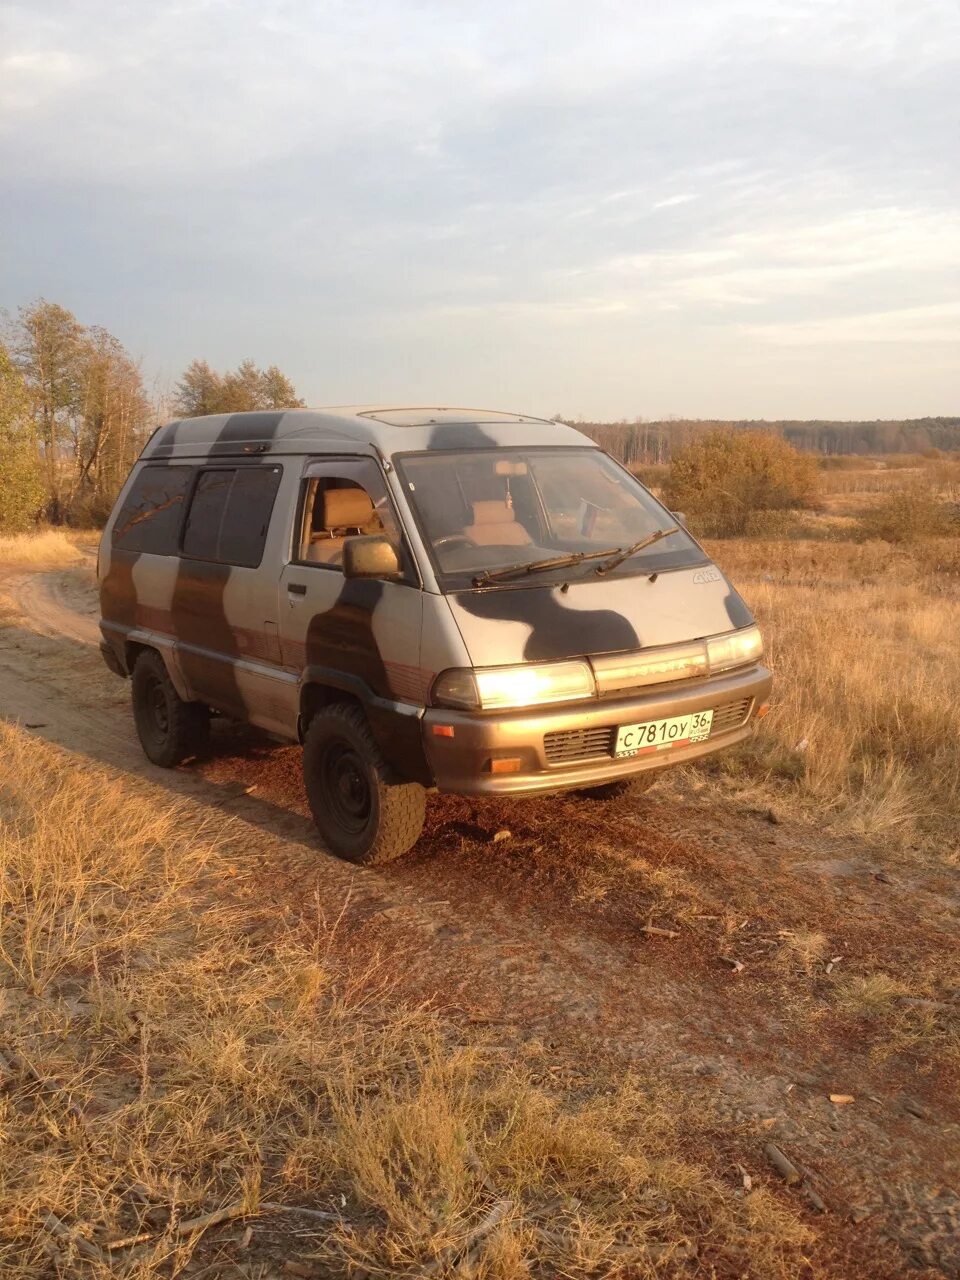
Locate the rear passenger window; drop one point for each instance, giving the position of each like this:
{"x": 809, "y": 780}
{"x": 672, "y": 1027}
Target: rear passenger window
{"x": 149, "y": 519}
{"x": 230, "y": 513}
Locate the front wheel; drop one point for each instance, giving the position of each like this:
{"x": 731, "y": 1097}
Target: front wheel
{"x": 361, "y": 814}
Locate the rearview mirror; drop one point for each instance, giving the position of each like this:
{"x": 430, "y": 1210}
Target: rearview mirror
{"x": 680, "y": 517}
{"x": 371, "y": 556}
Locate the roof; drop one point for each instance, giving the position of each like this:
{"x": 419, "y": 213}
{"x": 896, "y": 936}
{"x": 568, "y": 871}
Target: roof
{"x": 355, "y": 428}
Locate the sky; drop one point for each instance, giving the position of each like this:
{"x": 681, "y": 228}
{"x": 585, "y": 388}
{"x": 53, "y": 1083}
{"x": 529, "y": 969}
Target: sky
{"x": 602, "y": 208}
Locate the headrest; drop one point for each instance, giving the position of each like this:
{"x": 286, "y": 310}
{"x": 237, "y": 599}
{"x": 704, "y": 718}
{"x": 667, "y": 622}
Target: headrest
{"x": 346, "y": 508}
{"x": 492, "y": 513}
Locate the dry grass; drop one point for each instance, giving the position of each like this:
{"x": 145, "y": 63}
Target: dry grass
{"x": 916, "y": 1016}
{"x": 867, "y": 700}
{"x": 205, "y": 1053}
{"x": 49, "y": 549}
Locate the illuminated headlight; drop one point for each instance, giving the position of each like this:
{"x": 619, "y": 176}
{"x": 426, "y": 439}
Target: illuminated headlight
{"x": 735, "y": 649}
{"x": 492, "y": 688}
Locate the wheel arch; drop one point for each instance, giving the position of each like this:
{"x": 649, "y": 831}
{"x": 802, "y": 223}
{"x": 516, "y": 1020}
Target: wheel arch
{"x": 396, "y": 726}
{"x": 132, "y": 650}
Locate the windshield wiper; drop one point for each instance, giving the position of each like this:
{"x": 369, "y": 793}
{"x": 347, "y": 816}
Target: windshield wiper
{"x": 538, "y": 566}
{"x": 625, "y": 553}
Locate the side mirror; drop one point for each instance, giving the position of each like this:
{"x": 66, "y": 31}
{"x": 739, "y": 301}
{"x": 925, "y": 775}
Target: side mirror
{"x": 370, "y": 556}
{"x": 680, "y": 517}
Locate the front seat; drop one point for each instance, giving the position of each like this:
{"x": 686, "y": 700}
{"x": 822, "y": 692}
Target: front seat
{"x": 345, "y": 513}
{"x": 494, "y": 525}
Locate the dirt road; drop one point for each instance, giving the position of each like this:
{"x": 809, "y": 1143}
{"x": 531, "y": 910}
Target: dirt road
{"x": 533, "y": 917}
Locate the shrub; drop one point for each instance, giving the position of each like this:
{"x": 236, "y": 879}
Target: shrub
{"x": 721, "y": 479}
{"x": 651, "y": 474}
{"x": 909, "y": 515}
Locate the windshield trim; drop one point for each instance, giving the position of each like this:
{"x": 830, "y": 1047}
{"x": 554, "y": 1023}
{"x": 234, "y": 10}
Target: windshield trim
{"x": 460, "y": 581}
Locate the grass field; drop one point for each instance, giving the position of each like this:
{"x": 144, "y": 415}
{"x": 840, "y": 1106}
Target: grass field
{"x": 195, "y": 1053}
{"x": 862, "y": 637}
{"x": 51, "y": 549}
{"x": 173, "y": 1047}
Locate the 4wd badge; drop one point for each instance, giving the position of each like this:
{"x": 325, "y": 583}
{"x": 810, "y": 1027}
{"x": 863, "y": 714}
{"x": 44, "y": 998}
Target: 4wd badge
{"x": 706, "y": 575}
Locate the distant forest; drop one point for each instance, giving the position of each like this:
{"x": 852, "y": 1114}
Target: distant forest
{"x": 647, "y": 442}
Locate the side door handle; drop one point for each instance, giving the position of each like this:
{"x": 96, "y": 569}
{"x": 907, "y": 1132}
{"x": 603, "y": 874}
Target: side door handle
{"x": 297, "y": 588}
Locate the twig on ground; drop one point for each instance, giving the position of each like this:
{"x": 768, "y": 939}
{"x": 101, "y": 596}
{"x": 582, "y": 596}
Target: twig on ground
{"x": 654, "y": 1251}
{"x": 483, "y": 1229}
{"x": 60, "y": 1231}
{"x": 226, "y": 1214}
{"x": 814, "y": 1199}
{"x": 787, "y": 1170}
{"x": 127, "y": 1241}
{"x": 473, "y": 1163}
{"x": 320, "y": 1214}
{"x": 238, "y": 1210}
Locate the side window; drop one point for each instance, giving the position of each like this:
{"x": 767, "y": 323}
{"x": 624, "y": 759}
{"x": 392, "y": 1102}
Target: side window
{"x": 341, "y": 500}
{"x": 149, "y": 519}
{"x": 230, "y": 513}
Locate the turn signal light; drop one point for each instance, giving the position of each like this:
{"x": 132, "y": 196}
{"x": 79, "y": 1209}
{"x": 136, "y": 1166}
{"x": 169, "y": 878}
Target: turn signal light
{"x": 762, "y": 711}
{"x": 508, "y": 764}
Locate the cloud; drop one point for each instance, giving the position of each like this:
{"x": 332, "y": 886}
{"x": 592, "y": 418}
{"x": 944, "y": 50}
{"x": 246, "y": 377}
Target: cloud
{"x": 938, "y": 323}
{"x": 372, "y": 188}
{"x": 670, "y": 202}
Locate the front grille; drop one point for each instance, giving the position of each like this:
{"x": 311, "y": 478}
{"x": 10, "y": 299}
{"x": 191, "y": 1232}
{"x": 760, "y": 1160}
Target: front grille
{"x": 730, "y": 716}
{"x": 567, "y": 745}
{"x": 579, "y": 744}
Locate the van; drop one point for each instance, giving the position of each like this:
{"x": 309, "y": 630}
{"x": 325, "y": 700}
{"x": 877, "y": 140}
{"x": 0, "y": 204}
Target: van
{"x": 459, "y": 600}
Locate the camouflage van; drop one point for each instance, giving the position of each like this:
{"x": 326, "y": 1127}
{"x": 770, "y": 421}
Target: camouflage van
{"x": 464, "y": 600}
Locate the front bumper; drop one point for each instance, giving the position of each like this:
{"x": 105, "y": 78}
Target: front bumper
{"x": 572, "y": 745}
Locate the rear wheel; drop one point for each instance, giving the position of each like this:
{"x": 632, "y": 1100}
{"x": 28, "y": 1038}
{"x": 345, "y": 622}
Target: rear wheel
{"x": 361, "y": 813}
{"x": 169, "y": 729}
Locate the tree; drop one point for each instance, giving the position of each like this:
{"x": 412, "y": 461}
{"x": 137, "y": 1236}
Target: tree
{"x": 202, "y": 390}
{"x": 199, "y": 391}
{"x": 720, "y": 478}
{"x": 112, "y": 425}
{"x": 88, "y": 407}
{"x": 21, "y": 479}
{"x": 48, "y": 352}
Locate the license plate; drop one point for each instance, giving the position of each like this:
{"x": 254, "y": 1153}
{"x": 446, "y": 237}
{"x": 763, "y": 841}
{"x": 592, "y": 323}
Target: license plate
{"x": 658, "y": 735}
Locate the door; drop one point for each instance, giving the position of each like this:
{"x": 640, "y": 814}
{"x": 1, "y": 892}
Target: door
{"x": 225, "y": 596}
{"x": 362, "y": 635}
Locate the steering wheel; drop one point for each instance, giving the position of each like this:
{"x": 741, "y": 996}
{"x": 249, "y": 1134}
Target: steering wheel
{"x": 453, "y": 539}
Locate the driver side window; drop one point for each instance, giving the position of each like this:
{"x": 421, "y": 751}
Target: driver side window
{"x": 340, "y": 500}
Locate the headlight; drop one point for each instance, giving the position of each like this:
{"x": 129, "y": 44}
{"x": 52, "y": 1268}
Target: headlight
{"x": 493, "y": 688}
{"x": 735, "y": 649}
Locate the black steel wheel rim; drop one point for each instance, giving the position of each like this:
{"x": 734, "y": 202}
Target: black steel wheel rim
{"x": 157, "y": 708}
{"x": 346, "y": 787}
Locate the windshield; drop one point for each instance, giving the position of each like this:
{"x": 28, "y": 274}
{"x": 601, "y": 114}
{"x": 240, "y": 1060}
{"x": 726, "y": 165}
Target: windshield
{"x": 485, "y": 510}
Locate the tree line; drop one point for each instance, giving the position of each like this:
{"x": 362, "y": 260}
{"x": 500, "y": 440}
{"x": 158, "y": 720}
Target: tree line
{"x": 75, "y": 414}
{"x": 640, "y": 442}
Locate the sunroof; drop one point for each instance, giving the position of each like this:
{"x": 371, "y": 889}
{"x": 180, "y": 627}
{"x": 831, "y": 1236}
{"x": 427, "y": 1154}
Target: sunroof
{"x": 442, "y": 417}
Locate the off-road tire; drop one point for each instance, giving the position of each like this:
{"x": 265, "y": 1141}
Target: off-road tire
{"x": 361, "y": 813}
{"x": 639, "y": 783}
{"x": 170, "y": 730}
